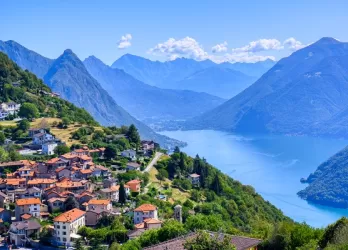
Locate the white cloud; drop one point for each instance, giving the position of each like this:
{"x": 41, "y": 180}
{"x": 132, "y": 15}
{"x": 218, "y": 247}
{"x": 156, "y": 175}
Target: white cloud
{"x": 222, "y": 47}
{"x": 293, "y": 44}
{"x": 185, "y": 47}
{"x": 260, "y": 45}
{"x": 125, "y": 41}
{"x": 190, "y": 48}
{"x": 246, "y": 57}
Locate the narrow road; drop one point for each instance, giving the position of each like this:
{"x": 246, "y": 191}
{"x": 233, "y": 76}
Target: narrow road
{"x": 153, "y": 162}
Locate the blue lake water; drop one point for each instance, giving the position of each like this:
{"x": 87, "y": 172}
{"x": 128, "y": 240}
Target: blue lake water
{"x": 273, "y": 165}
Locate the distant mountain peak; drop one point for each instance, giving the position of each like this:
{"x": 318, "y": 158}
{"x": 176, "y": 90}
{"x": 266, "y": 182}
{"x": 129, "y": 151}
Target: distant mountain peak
{"x": 68, "y": 51}
{"x": 327, "y": 40}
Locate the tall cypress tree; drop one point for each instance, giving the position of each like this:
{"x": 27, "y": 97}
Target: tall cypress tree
{"x": 122, "y": 194}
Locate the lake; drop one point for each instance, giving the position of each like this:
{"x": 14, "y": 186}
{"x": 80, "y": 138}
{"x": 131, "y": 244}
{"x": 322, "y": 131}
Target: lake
{"x": 272, "y": 164}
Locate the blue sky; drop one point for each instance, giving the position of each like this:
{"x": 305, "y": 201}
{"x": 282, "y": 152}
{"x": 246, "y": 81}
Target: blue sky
{"x": 162, "y": 30}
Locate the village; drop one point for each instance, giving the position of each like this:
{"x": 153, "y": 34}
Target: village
{"x": 62, "y": 185}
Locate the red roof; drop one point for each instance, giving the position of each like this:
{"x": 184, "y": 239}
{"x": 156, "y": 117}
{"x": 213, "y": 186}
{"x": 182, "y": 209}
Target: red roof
{"x": 28, "y": 201}
{"x": 70, "y": 215}
{"x": 145, "y": 208}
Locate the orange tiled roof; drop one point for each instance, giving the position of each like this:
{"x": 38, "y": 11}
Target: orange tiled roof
{"x": 85, "y": 157}
{"x": 41, "y": 181}
{"x": 59, "y": 169}
{"x": 69, "y": 156}
{"x": 99, "y": 202}
{"x": 53, "y": 160}
{"x": 15, "y": 182}
{"x": 152, "y": 221}
{"x": 70, "y": 215}
{"x": 133, "y": 182}
{"x": 56, "y": 199}
{"x": 145, "y": 207}
{"x": 26, "y": 216}
{"x": 28, "y": 201}
{"x": 67, "y": 184}
{"x": 86, "y": 171}
{"x": 140, "y": 225}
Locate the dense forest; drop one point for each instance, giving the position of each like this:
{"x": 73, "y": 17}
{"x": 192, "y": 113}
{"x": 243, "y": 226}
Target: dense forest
{"x": 35, "y": 97}
{"x": 328, "y": 184}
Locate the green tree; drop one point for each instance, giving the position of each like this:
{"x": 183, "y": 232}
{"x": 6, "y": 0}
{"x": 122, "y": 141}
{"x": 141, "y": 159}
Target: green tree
{"x": 29, "y": 111}
{"x": 79, "y": 244}
{"x": 115, "y": 246}
{"x": 176, "y": 150}
{"x": 206, "y": 241}
{"x": 65, "y": 121}
{"x": 110, "y": 152}
{"x": 24, "y": 125}
{"x": 122, "y": 194}
{"x": 61, "y": 149}
{"x": 71, "y": 203}
{"x": 2, "y": 138}
{"x": 133, "y": 135}
{"x": 3, "y": 155}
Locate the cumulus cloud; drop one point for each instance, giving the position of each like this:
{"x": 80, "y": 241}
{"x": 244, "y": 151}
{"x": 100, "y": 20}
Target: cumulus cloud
{"x": 185, "y": 47}
{"x": 260, "y": 45}
{"x": 190, "y": 48}
{"x": 293, "y": 44}
{"x": 222, "y": 47}
{"x": 125, "y": 41}
{"x": 245, "y": 57}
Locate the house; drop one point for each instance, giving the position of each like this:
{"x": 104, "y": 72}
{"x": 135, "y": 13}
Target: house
{"x": 10, "y": 107}
{"x": 63, "y": 172}
{"x": 55, "y": 163}
{"x": 48, "y": 148}
{"x": 13, "y": 184}
{"x": 42, "y": 138}
{"x": 140, "y": 228}
{"x": 26, "y": 172}
{"x": 69, "y": 158}
{"x": 3, "y": 114}
{"x": 240, "y": 242}
{"x": 194, "y": 178}
{"x": 30, "y": 206}
{"x": 71, "y": 186}
{"x": 32, "y": 192}
{"x": 3, "y": 199}
{"x": 41, "y": 183}
{"x": 133, "y": 166}
{"x": 85, "y": 173}
{"x": 56, "y": 204}
{"x": 93, "y": 215}
{"x": 20, "y": 231}
{"x": 147, "y": 146}
{"x": 104, "y": 171}
{"x": 67, "y": 224}
{"x": 34, "y": 131}
{"x": 134, "y": 185}
{"x": 130, "y": 153}
{"x": 105, "y": 205}
{"x": 107, "y": 183}
{"x": 85, "y": 197}
{"x": 145, "y": 211}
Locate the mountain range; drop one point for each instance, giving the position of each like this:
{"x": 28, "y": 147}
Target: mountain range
{"x": 67, "y": 76}
{"x": 149, "y": 102}
{"x": 305, "y": 93}
{"x": 201, "y": 76}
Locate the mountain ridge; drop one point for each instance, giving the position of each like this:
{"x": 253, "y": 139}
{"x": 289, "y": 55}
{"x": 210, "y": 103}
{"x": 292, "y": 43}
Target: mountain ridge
{"x": 146, "y": 101}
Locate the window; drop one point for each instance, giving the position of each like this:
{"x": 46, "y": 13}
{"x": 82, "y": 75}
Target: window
{"x": 64, "y": 239}
{"x": 64, "y": 227}
{"x": 64, "y": 233}
{"x": 58, "y": 226}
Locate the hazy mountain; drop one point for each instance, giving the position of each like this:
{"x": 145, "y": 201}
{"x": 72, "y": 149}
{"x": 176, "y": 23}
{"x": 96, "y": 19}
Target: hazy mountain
{"x": 218, "y": 81}
{"x": 160, "y": 74}
{"x": 67, "y": 76}
{"x": 299, "y": 93}
{"x": 145, "y": 101}
{"x": 26, "y": 59}
{"x": 251, "y": 69}
{"x": 169, "y": 74}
